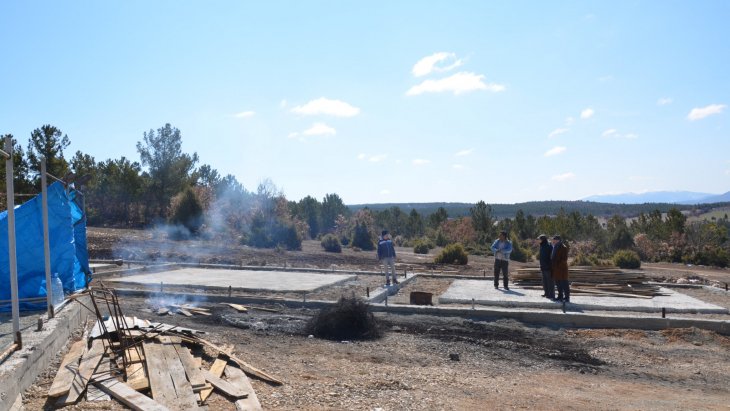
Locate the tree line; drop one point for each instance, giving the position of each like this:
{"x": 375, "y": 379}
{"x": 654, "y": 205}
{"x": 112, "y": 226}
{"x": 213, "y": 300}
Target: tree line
{"x": 168, "y": 187}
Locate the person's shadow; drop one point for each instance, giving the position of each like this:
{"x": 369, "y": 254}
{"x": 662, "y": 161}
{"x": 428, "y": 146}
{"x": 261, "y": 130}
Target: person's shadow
{"x": 511, "y": 292}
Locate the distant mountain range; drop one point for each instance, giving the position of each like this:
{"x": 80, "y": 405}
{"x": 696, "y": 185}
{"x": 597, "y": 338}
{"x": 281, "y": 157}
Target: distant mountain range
{"x": 673, "y": 197}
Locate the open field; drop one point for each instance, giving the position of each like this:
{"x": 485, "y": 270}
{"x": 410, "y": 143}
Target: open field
{"x": 502, "y": 363}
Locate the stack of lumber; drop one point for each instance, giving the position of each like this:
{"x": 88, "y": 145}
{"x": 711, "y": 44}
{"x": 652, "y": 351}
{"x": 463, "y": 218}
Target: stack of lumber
{"x": 596, "y": 281}
{"x": 184, "y": 309}
{"x": 153, "y": 366}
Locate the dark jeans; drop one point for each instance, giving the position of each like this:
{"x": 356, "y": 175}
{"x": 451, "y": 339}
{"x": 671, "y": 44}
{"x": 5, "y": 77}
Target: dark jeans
{"x": 501, "y": 265}
{"x": 548, "y": 285}
{"x": 563, "y": 289}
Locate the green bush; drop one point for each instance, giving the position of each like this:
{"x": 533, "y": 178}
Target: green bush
{"x": 361, "y": 238}
{"x": 626, "y": 259}
{"x": 585, "y": 260}
{"x": 331, "y": 243}
{"x": 187, "y": 211}
{"x": 452, "y": 254}
{"x": 270, "y": 234}
{"x": 441, "y": 239}
{"x": 716, "y": 257}
{"x": 420, "y": 247}
{"x": 520, "y": 253}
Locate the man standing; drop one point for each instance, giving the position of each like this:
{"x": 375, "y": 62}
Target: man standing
{"x": 502, "y": 247}
{"x": 546, "y": 250}
{"x": 386, "y": 255}
{"x": 559, "y": 268}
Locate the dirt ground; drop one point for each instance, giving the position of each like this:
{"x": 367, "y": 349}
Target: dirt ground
{"x": 428, "y": 362}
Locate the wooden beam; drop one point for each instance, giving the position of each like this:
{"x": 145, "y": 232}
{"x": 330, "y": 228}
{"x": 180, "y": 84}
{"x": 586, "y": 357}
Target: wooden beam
{"x": 129, "y": 397}
{"x": 225, "y": 386}
{"x": 89, "y": 362}
{"x": 136, "y": 370}
{"x": 217, "y": 369}
{"x": 67, "y": 370}
{"x": 239, "y": 379}
{"x": 163, "y": 391}
{"x": 186, "y": 397}
{"x": 103, "y": 372}
{"x": 193, "y": 372}
{"x": 247, "y": 368}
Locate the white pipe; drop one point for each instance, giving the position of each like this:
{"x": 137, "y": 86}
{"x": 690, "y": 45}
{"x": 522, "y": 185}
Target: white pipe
{"x": 11, "y": 241}
{"x": 46, "y": 240}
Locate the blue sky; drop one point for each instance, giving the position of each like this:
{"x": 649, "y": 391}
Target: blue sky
{"x": 388, "y": 101}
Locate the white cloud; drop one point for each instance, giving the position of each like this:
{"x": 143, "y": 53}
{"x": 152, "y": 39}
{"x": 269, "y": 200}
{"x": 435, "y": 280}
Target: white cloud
{"x": 459, "y": 83}
{"x": 557, "y": 132}
{"x": 555, "y": 151}
{"x": 608, "y": 132}
{"x": 700, "y": 113}
{"x": 361, "y": 156}
{"x": 244, "y": 114}
{"x": 378, "y": 158}
{"x": 464, "y": 152}
{"x": 420, "y": 162}
{"x": 320, "y": 129}
{"x": 613, "y": 133}
{"x": 587, "y": 113}
{"x": 664, "y": 101}
{"x": 457, "y": 166}
{"x": 328, "y": 107}
{"x": 293, "y": 135}
{"x": 430, "y": 63}
{"x": 563, "y": 177}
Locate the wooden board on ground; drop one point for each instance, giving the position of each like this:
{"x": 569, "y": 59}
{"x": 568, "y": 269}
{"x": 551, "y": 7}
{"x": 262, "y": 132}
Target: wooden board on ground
{"x": 197, "y": 381}
{"x": 68, "y": 369}
{"x": 88, "y": 365}
{"x": 186, "y": 397}
{"x": 237, "y": 307}
{"x": 184, "y": 312}
{"x": 163, "y": 390}
{"x": 129, "y": 397}
{"x": 103, "y": 372}
{"x": 217, "y": 369}
{"x": 136, "y": 370}
{"x": 225, "y": 386}
{"x": 238, "y": 378}
{"x": 247, "y": 368}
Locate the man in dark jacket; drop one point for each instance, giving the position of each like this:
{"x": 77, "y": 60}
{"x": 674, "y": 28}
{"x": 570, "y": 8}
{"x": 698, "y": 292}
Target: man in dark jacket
{"x": 559, "y": 268}
{"x": 548, "y": 285}
{"x": 386, "y": 255}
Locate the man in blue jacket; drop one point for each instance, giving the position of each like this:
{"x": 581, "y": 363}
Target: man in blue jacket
{"x": 386, "y": 255}
{"x": 502, "y": 247}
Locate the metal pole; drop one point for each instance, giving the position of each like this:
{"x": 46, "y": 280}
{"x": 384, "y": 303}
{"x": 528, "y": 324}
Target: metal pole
{"x": 12, "y": 257}
{"x": 46, "y": 241}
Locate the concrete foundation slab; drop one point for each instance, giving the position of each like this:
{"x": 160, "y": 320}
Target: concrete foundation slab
{"x": 483, "y": 293}
{"x": 281, "y": 281}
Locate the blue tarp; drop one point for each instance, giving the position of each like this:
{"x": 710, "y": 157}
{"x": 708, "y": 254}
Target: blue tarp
{"x": 69, "y": 256}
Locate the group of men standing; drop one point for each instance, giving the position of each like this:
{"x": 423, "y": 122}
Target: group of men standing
{"x": 553, "y": 263}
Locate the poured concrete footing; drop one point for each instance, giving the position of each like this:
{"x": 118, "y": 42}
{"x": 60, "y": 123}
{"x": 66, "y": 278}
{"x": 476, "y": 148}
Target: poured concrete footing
{"x": 20, "y": 369}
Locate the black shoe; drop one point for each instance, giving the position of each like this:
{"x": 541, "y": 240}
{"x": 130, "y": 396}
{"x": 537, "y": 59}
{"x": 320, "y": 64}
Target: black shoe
{"x": 567, "y": 300}
{"x": 395, "y": 281}
{"x": 496, "y": 287}
{"x": 387, "y": 283}
{"x": 506, "y": 288}
{"x": 543, "y": 295}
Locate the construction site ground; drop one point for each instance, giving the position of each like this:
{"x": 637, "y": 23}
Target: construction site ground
{"x": 426, "y": 361}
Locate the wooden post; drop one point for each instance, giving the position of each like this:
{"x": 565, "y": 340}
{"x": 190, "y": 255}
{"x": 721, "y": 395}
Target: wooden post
{"x": 664, "y": 312}
{"x": 367, "y": 290}
{"x": 12, "y": 256}
{"x": 230, "y": 289}
{"x": 46, "y": 239}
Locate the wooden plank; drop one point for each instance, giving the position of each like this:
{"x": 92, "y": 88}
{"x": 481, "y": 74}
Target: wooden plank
{"x": 129, "y": 397}
{"x": 237, "y": 307}
{"x": 184, "y": 312}
{"x": 163, "y": 311}
{"x": 247, "y": 368}
{"x": 88, "y": 365}
{"x": 136, "y": 370}
{"x": 161, "y": 386}
{"x": 186, "y": 397}
{"x": 103, "y": 372}
{"x": 225, "y": 386}
{"x": 67, "y": 370}
{"x": 191, "y": 370}
{"x": 217, "y": 369}
{"x": 238, "y": 378}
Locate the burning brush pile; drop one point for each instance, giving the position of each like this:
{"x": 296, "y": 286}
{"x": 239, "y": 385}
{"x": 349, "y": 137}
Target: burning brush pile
{"x": 150, "y": 366}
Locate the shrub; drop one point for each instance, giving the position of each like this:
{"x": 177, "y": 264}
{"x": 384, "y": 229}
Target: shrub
{"x": 349, "y": 319}
{"x": 361, "y": 238}
{"x": 452, "y": 254}
{"x": 331, "y": 243}
{"x": 583, "y": 259}
{"x": 273, "y": 233}
{"x": 420, "y": 247}
{"x": 715, "y": 256}
{"x": 520, "y": 253}
{"x": 441, "y": 239}
{"x": 626, "y": 259}
{"x": 187, "y": 211}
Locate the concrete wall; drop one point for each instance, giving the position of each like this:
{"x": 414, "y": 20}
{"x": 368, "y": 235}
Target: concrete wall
{"x": 19, "y": 371}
